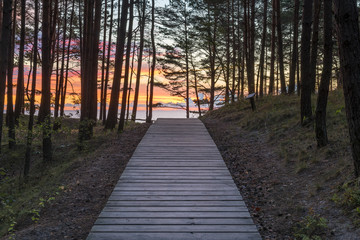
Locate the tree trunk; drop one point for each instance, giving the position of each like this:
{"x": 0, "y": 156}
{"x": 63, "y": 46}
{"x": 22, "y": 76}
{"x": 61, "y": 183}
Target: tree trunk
{"x": 142, "y": 22}
{"x": 262, "y": 55}
{"x": 108, "y": 63}
{"x": 89, "y": 69}
{"x": 63, "y": 97}
{"x": 294, "y": 58}
{"x": 29, "y": 138}
{"x": 306, "y": 110}
{"x": 280, "y": 47}
{"x": 131, "y": 77}
{"x": 234, "y": 48}
{"x": 46, "y": 81}
{"x": 347, "y": 27}
{"x": 115, "y": 92}
{"x": 273, "y": 46}
{"x": 127, "y": 68}
{"x": 4, "y": 50}
{"x": 314, "y": 44}
{"x": 9, "y": 109}
{"x": 227, "y": 79}
{"x": 19, "y": 101}
{"x": 60, "y": 89}
{"x": 102, "y": 104}
{"x": 153, "y": 64}
{"x": 321, "y": 132}
{"x": 187, "y": 64}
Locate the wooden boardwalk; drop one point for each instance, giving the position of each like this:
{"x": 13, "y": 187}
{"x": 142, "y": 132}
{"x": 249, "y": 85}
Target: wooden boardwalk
{"x": 176, "y": 187}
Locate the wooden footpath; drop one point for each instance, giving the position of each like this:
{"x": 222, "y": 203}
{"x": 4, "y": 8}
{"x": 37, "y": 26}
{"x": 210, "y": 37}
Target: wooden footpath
{"x": 176, "y": 186}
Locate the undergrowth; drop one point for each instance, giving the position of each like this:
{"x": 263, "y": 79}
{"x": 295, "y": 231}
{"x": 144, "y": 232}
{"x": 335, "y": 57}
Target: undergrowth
{"x": 21, "y": 201}
{"x": 277, "y": 119}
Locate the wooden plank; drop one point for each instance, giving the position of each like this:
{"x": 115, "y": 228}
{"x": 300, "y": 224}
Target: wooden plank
{"x": 203, "y": 198}
{"x": 174, "y": 228}
{"x": 176, "y": 186}
{"x": 174, "y": 221}
{"x": 187, "y": 192}
{"x": 190, "y": 214}
{"x": 179, "y": 181}
{"x": 174, "y": 209}
{"x": 174, "y": 203}
{"x": 174, "y": 236}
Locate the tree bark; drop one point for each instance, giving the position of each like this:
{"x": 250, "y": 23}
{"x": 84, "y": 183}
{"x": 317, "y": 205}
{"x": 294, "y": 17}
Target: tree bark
{"x": 46, "y": 81}
{"x": 306, "y": 110}
{"x": 321, "y": 132}
{"x": 9, "y": 109}
{"x": 108, "y": 62}
{"x": 103, "y": 60}
{"x": 273, "y": 46}
{"x": 60, "y": 89}
{"x": 89, "y": 69}
{"x": 115, "y": 92}
{"x": 4, "y": 50}
{"x": 314, "y": 44}
{"x": 262, "y": 55}
{"x": 152, "y": 76}
{"x": 19, "y": 101}
{"x": 29, "y": 138}
{"x": 228, "y": 55}
{"x": 127, "y": 68}
{"x": 63, "y": 97}
{"x": 142, "y": 22}
{"x": 347, "y": 27}
{"x": 280, "y": 47}
{"x": 294, "y": 58}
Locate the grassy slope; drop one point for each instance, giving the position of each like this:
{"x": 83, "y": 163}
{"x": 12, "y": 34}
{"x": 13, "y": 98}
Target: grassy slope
{"x": 21, "y": 201}
{"x": 318, "y": 174}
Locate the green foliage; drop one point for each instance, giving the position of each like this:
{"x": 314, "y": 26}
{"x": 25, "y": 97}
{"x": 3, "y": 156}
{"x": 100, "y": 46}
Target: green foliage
{"x": 348, "y": 197}
{"x": 22, "y": 201}
{"x": 35, "y": 213}
{"x": 311, "y": 227}
{"x": 7, "y": 216}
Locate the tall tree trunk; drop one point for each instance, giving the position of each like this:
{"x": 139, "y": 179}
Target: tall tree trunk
{"x": 195, "y": 84}
{"x": 227, "y": 79}
{"x": 273, "y": 47}
{"x": 321, "y": 132}
{"x": 46, "y": 81}
{"x": 212, "y": 51}
{"x": 347, "y": 27}
{"x": 152, "y": 76}
{"x": 127, "y": 68}
{"x": 63, "y": 97}
{"x": 306, "y": 110}
{"x": 295, "y": 53}
{"x": 115, "y": 92}
{"x": 108, "y": 63}
{"x": 142, "y": 22}
{"x": 102, "y": 104}
{"x": 19, "y": 101}
{"x": 60, "y": 89}
{"x": 280, "y": 47}
{"x": 29, "y": 138}
{"x": 131, "y": 77}
{"x": 4, "y": 50}
{"x": 314, "y": 44}
{"x": 9, "y": 109}
{"x": 263, "y": 42}
{"x": 89, "y": 69}
{"x": 250, "y": 66}
{"x": 1, "y": 16}
{"x": 234, "y": 49}
{"x": 187, "y": 47}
